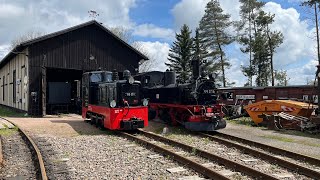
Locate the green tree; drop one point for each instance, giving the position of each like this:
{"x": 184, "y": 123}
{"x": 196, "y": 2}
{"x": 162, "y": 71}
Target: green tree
{"x": 281, "y": 77}
{"x": 246, "y": 29}
{"x": 199, "y": 51}
{"x": 180, "y": 55}
{"x": 273, "y": 38}
{"x": 213, "y": 30}
{"x": 315, "y": 4}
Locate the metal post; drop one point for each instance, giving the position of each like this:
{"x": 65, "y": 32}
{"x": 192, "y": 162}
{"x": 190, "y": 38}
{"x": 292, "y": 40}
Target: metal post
{"x": 318, "y": 87}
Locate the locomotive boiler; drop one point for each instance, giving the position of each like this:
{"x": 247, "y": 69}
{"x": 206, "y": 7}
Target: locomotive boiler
{"x": 113, "y": 103}
{"x": 193, "y": 105}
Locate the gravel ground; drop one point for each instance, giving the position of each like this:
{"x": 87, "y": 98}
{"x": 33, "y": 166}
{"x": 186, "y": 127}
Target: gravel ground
{"x": 234, "y": 155}
{"x": 304, "y": 145}
{"x": 233, "y": 174}
{"x": 18, "y": 163}
{"x": 73, "y": 149}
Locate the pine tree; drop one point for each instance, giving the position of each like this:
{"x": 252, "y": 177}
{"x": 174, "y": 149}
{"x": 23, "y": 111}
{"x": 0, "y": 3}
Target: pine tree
{"x": 199, "y": 52}
{"x": 265, "y": 43}
{"x": 213, "y": 33}
{"x": 180, "y": 55}
{"x": 246, "y": 28}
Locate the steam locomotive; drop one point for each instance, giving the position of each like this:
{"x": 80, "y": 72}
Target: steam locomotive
{"x": 193, "y": 105}
{"x": 112, "y": 103}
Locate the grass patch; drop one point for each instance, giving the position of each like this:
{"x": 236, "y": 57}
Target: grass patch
{"x": 243, "y": 121}
{"x": 8, "y": 132}
{"x": 8, "y": 112}
{"x": 290, "y": 140}
{"x": 283, "y": 139}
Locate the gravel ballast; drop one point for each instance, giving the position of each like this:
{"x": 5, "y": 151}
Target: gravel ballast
{"x": 74, "y": 149}
{"x": 18, "y": 163}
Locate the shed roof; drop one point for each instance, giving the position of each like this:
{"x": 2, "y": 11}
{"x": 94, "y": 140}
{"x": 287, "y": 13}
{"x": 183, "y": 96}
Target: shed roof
{"x": 25, "y": 44}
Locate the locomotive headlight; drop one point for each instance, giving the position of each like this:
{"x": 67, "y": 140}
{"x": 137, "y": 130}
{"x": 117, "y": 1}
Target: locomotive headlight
{"x": 113, "y": 103}
{"x": 130, "y": 80}
{"x": 145, "y": 102}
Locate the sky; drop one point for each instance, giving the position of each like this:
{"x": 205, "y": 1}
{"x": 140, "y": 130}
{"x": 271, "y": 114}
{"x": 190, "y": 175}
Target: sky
{"x": 154, "y": 23}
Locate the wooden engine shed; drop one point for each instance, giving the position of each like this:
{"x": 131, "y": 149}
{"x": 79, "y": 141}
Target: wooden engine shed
{"x": 44, "y": 74}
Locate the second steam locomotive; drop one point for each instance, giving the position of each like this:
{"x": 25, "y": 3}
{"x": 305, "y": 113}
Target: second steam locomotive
{"x": 193, "y": 105}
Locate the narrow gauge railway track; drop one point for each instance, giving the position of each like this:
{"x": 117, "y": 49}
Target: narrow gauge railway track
{"x": 37, "y": 157}
{"x": 192, "y": 164}
{"x": 267, "y": 157}
{"x": 271, "y": 149}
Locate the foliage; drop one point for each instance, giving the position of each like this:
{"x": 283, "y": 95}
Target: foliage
{"x": 180, "y": 55}
{"x": 199, "y": 51}
{"x": 259, "y": 41}
{"x": 127, "y": 37}
{"x": 25, "y": 37}
{"x": 316, "y": 5}
{"x": 213, "y": 31}
{"x": 281, "y": 77}
{"x": 246, "y": 29}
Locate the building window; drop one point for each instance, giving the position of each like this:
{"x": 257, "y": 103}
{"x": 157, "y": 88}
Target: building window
{"x": 14, "y": 86}
{"x": 3, "y": 88}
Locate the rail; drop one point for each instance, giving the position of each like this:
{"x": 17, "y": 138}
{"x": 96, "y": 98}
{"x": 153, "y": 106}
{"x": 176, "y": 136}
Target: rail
{"x": 281, "y": 162}
{"x": 227, "y": 163}
{"x": 33, "y": 147}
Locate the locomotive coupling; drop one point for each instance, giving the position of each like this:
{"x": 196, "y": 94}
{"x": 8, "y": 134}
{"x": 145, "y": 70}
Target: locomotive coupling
{"x": 131, "y": 124}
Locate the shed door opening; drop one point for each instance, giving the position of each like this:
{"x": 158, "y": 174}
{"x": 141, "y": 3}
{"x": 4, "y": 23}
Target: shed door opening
{"x": 63, "y": 91}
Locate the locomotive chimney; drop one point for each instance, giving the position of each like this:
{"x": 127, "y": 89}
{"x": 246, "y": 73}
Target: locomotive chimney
{"x": 195, "y": 67}
{"x": 115, "y": 76}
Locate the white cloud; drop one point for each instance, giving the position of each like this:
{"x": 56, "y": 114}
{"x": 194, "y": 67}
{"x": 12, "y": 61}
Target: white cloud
{"x": 158, "y": 53}
{"x": 196, "y": 9}
{"x": 302, "y": 75}
{"x": 150, "y": 30}
{"x": 234, "y": 74}
{"x": 4, "y": 49}
{"x": 297, "y": 43}
{"x": 18, "y": 17}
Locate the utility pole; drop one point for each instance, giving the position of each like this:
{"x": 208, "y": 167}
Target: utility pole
{"x": 318, "y": 51}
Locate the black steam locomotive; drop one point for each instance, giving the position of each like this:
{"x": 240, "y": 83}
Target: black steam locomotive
{"x": 193, "y": 105}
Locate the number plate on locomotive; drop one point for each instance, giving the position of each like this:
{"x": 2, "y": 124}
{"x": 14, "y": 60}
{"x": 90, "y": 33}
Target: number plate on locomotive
{"x": 209, "y": 91}
{"x": 130, "y": 94}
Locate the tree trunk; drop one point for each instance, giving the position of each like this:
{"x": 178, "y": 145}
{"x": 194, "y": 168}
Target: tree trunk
{"x": 222, "y": 66}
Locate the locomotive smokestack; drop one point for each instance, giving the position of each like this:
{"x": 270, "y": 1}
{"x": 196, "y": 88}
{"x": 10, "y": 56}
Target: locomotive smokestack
{"x": 195, "y": 67}
{"x": 115, "y": 76}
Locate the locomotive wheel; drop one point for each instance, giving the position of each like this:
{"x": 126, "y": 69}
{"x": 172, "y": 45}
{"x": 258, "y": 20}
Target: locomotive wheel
{"x": 93, "y": 121}
{"x": 101, "y": 124}
{"x": 165, "y": 116}
{"x": 97, "y": 124}
{"x": 152, "y": 114}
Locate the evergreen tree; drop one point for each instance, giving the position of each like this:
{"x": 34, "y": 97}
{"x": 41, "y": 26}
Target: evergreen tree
{"x": 199, "y": 51}
{"x": 258, "y": 40}
{"x": 315, "y": 4}
{"x": 180, "y": 55}
{"x": 265, "y": 43}
{"x": 213, "y": 33}
{"x": 246, "y": 28}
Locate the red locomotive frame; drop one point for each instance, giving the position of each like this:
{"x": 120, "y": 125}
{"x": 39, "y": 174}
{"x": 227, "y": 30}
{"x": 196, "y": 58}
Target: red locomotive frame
{"x": 111, "y": 118}
{"x": 193, "y": 117}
